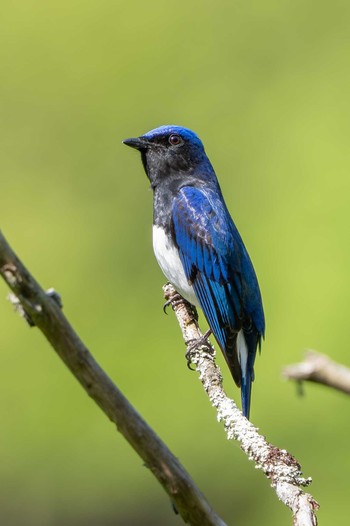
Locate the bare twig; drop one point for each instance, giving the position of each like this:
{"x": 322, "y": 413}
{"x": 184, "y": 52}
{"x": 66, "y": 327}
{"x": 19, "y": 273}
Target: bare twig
{"x": 318, "y": 368}
{"x": 42, "y": 309}
{"x": 278, "y": 465}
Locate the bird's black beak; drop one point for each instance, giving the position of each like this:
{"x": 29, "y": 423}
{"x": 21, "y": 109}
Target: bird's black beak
{"x": 139, "y": 143}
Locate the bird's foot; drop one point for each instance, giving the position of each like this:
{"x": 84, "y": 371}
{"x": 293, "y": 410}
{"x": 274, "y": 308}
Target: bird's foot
{"x": 175, "y": 300}
{"x": 192, "y": 345}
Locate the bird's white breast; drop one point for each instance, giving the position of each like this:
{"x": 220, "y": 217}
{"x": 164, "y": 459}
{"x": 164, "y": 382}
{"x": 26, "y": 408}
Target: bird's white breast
{"x": 169, "y": 261}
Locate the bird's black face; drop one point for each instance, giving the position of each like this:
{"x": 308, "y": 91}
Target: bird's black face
{"x": 167, "y": 154}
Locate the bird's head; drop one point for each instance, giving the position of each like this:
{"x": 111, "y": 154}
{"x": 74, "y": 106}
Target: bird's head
{"x": 169, "y": 151}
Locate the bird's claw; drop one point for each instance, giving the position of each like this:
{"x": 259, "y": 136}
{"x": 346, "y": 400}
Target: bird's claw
{"x": 194, "y": 344}
{"x": 188, "y": 356}
{"x": 174, "y": 300}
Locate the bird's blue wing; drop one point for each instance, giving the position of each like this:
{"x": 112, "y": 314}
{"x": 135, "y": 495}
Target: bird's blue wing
{"x": 218, "y": 267}
{"x": 207, "y": 251}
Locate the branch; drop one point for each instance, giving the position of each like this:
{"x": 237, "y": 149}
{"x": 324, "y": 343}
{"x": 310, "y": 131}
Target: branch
{"x": 320, "y": 369}
{"x": 278, "y": 465}
{"x": 43, "y": 310}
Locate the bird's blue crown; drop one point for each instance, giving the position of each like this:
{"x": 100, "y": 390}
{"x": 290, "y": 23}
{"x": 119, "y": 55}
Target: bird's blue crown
{"x": 167, "y": 129}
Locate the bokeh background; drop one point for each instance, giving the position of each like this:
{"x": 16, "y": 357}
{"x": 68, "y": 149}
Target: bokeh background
{"x": 266, "y": 86}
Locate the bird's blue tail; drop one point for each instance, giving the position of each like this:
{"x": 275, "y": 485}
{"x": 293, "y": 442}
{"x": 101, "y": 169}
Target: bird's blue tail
{"x": 246, "y": 389}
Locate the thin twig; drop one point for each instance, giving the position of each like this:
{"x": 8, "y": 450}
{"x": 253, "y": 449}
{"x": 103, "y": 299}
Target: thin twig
{"x": 320, "y": 369}
{"x": 278, "y": 465}
{"x": 43, "y": 310}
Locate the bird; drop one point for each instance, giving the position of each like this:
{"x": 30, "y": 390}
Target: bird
{"x": 199, "y": 248}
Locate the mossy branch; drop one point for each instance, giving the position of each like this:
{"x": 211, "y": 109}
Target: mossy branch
{"x": 278, "y": 465}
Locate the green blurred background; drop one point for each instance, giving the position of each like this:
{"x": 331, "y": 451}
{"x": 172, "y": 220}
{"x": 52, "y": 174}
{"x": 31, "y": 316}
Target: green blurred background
{"x": 266, "y": 86}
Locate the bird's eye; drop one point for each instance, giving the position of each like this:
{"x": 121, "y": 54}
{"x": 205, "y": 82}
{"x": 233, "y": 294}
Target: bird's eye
{"x": 175, "y": 139}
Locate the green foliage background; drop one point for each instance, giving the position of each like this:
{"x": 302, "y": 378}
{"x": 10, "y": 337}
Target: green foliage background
{"x": 266, "y": 86}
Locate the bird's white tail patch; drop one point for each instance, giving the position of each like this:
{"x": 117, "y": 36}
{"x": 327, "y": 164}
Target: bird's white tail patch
{"x": 242, "y": 351}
